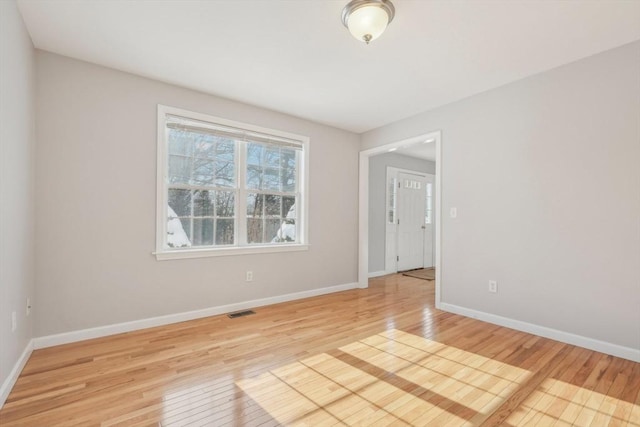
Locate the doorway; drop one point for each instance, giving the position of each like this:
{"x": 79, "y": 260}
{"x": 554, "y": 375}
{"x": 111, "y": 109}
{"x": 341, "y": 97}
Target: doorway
{"x": 409, "y": 237}
{"x": 415, "y": 245}
{"x": 429, "y": 254}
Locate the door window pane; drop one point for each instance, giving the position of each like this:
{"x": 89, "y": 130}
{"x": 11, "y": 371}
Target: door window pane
{"x": 428, "y": 217}
{"x": 391, "y": 208}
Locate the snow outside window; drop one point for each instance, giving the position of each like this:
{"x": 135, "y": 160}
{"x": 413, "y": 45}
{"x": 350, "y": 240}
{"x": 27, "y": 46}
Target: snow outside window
{"x": 227, "y": 185}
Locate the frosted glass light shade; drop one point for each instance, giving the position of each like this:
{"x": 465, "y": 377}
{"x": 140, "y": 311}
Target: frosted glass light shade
{"x": 368, "y": 23}
{"x": 367, "y": 19}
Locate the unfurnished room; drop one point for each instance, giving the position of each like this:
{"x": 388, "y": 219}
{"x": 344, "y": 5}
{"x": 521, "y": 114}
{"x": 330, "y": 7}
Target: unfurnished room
{"x": 319, "y": 212}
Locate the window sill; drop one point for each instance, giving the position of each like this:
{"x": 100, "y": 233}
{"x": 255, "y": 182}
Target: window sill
{"x": 211, "y": 252}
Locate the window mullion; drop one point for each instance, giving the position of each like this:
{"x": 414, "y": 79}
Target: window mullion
{"x": 241, "y": 194}
{"x": 298, "y": 200}
{"x": 163, "y": 157}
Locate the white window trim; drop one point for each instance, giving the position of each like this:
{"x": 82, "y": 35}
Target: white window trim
{"x": 163, "y": 253}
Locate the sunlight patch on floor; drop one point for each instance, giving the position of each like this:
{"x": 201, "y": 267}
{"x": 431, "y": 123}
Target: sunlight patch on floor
{"x": 390, "y": 378}
{"x": 558, "y": 403}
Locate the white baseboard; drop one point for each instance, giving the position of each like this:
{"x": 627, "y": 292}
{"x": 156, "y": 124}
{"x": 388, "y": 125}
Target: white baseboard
{"x": 8, "y": 384}
{"x": 379, "y": 273}
{"x": 103, "y": 331}
{"x": 554, "y": 334}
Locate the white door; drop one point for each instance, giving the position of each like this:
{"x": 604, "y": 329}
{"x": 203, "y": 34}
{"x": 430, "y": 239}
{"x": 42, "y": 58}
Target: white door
{"x": 429, "y": 221}
{"x": 411, "y": 221}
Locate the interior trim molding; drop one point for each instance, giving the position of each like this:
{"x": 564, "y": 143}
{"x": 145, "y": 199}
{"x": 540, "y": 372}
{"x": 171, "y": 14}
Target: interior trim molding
{"x": 118, "y": 328}
{"x": 8, "y": 384}
{"x": 554, "y": 334}
{"x": 363, "y": 205}
{"x": 380, "y": 273}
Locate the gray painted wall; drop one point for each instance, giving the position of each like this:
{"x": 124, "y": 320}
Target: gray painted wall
{"x": 544, "y": 173}
{"x": 96, "y": 188}
{"x": 377, "y": 200}
{"x": 17, "y": 92}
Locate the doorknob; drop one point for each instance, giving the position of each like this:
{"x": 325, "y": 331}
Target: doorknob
{"x": 423, "y": 227}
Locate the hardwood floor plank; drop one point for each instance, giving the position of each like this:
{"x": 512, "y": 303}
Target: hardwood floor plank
{"x": 377, "y": 356}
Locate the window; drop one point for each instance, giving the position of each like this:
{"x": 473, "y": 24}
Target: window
{"x": 228, "y": 188}
{"x": 391, "y": 198}
{"x": 428, "y": 215}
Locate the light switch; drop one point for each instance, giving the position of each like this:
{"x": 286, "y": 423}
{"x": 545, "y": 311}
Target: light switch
{"x": 453, "y": 212}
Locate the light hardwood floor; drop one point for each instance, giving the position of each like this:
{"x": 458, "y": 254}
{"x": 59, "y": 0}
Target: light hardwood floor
{"x": 377, "y": 356}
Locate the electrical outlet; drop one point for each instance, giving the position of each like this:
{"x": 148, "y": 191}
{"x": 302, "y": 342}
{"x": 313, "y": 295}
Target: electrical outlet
{"x": 453, "y": 212}
{"x": 14, "y": 321}
{"x": 493, "y": 286}
{"x": 28, "y": 309}
{"x": 249, "y": 276}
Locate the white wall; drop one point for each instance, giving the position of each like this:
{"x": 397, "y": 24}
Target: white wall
{"x": 544, "y": 173}
{"x": 377, "y": 200}
{"x": 96, "y": 187}
{"x": 17, "y": 91}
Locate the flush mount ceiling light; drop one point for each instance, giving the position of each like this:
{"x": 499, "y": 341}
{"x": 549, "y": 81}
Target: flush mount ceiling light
{"x": 367, "y": 19}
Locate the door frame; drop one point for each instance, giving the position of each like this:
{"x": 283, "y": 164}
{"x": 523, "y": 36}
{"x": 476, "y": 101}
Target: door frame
{"x": 390, "y": 259}
{"x": 363, "y": 206}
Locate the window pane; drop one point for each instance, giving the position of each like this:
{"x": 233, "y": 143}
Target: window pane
{"x": 288, "y": 158}
{"x": 225, "y": 203}
{"x": 288, "y": 169}
{"x": 226, "y": 149}
{"x": 254, "y": 154}
{"x": 255, "y": 204}
{"x": 272, "y": 205}
{"x": 271, "y": 229}
{"x": 286, "y": 232}
{"x": 177, "y": 233}
{"x": 254, "y": 230}
{"x": 202, "y": 232}
{"x": 272, "y": 156}
{"x": 179, "y": 142}
{"x": 180, "y": 201}
{"x": 289, "y": 207}
{"x": 204, "y": 146}
{"x": 271, "y": 179}
{"x": 203, "y": 172}
{"x": 203, "y": 203}
{"x": 224, "y": 231}
{"x": 392, "y": 201}
{"x": 254, "y": 177}
{"x": 288, "y": 180}
{"x": 179, "y": 169}
{"x": 225, "y": 174}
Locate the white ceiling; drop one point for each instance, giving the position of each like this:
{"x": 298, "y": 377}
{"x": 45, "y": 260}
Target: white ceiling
{"x": 297, "y": 58}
